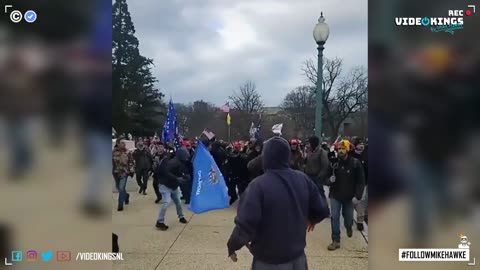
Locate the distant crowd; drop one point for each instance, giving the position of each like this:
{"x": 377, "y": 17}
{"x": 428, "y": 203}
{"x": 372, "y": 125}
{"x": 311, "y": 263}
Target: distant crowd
{"x": 342, "y": 166}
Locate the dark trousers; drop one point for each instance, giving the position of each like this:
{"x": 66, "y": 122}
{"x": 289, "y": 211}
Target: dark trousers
{"x": 142, "y": 178}
{"x": 242, "y": 186}
{"x": 156, "y": 183}
{"x": 232, "y": 183}
{"x": 320, "y": 187}
{"x": 298, "y": 264}
{"x": 20, "y": 150}
{"x": 5, "y": 240}
{"x": 115, "y": 247}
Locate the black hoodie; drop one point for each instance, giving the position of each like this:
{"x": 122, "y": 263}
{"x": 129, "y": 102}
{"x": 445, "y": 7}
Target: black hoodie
{"x": 176, "y": 168}
{"x": 276, "y": 206}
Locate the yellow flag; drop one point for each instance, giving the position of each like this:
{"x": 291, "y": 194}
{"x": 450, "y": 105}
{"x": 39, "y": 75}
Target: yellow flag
{"x": 229, "y": 119}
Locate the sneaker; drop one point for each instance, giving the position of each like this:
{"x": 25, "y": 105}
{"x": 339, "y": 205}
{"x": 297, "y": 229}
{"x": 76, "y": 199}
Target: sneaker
{"x": 333, "y": 246}
{"x": 127, "y": 200}
{"x": 349, "y": 232}
{"x": 140, "y": 190}
{"x": 360, "y": 226}
{"x": 183, "y": 220}
{"x": 161, "y": 226}
{"x": 157, "y": 201}
{"x": 120, "y": 208}
{"x": 144, "y": 192}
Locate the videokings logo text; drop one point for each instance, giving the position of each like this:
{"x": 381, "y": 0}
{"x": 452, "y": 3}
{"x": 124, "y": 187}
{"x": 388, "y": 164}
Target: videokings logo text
{"x": 449, "y": 24}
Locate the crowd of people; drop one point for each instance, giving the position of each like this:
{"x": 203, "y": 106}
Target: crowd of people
{"x": 342, "y": 166}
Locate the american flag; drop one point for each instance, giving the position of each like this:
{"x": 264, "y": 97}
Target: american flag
{"x": 178, "y": 141}
{"x": 255, "y": 131}
{"x": 225, "y": 108}
{"x": 210, "y": 135}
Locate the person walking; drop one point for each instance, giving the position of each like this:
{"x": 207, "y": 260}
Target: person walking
{"x": 122, "y": 166}
{"x": 360, "y": 153}
{"x": 346, "y": 182}
{"x": 275, "y": 213}
{"x": 186, "y": 186}
{"x": 316, "y": 163}
{"x": 143, "y": 165}
{"x": 161, "y": 159}
{"x": 176, "y": 173}
{"x": 237, "y": 172}
{"x": 297, "y": 158}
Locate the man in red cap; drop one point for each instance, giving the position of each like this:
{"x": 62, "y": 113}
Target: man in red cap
{"x": 297, "y": 159}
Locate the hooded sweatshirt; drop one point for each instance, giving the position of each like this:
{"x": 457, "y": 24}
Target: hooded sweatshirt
{"x": 176, "y": 168}
{"x": 276, "y": 206}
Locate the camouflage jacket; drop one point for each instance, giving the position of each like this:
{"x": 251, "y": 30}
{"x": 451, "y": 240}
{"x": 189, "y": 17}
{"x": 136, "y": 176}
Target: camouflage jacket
{"x": 122, "y": 162}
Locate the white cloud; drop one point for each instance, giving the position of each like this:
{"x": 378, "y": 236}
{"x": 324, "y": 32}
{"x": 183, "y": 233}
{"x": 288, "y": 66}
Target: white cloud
{"x": 205, "y": 49}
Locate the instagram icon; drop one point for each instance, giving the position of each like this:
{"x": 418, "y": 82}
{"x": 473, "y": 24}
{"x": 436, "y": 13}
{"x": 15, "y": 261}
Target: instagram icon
{"x": 31, "y": 255}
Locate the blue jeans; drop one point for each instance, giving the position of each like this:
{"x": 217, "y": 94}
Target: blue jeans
{"x": 168, "y": 195}
{"x": 122, "y": 192}
{"x": 20, "y": 149}
{"x": 347, "y": 213}
{"x": 100, "y": 155}
{"x": 429, "y": 195}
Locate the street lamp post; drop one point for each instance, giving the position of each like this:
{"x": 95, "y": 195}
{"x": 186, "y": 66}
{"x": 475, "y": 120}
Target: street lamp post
{"x": 320, "y": 34}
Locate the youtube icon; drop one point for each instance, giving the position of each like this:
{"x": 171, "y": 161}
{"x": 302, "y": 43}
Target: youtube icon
{"x": 64, "y": 256}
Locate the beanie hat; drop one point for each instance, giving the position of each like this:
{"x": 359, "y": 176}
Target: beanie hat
{"x": 344, "y": 143}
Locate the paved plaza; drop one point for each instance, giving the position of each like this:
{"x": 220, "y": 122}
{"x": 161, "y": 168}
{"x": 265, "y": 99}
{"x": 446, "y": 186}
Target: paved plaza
{"x": 201, "y": 244}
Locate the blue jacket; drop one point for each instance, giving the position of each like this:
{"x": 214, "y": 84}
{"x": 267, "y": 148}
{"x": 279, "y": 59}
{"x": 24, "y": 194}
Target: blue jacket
{"x": 273, "y": 214}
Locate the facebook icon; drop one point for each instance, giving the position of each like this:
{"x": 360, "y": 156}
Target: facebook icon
{"x": 16, "y": 256}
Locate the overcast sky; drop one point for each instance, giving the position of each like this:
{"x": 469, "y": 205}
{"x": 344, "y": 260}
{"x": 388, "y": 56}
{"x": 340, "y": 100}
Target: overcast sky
{"x": 204, "y": 49}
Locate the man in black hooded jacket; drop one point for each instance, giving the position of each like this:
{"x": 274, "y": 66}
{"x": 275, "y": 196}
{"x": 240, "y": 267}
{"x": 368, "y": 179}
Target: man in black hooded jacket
{"x": 174, "y": 174}
{"x": 276, "y": 211}
{"x": 347, "y": 182}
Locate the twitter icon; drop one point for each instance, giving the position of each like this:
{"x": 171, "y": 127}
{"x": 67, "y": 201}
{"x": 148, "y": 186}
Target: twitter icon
{"x": 46, "y": 256}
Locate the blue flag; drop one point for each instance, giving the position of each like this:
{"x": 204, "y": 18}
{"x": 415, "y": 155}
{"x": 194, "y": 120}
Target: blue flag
{"x": 209, "y": 190}
{"x": 170, "y": 128}
{"x": 101, "y": 34}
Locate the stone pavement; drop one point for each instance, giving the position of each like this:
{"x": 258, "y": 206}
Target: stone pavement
{"x": 201, "y": 244}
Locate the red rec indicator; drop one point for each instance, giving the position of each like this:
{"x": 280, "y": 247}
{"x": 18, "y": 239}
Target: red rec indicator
{"x": 468, "y": 12}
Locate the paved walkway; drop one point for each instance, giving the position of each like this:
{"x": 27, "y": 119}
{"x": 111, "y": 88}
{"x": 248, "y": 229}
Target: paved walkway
{"x": 201, "y": 244}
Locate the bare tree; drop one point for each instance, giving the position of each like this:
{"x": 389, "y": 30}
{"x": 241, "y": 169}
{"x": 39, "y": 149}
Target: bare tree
{"x": 193, "y": 118}
{"x": 248, "y": 100}
{"x": 351, "y": 96}
{"x": 343, "y": 95}
{"x": 299, "y": 104}
{"x": 183, "y": 113}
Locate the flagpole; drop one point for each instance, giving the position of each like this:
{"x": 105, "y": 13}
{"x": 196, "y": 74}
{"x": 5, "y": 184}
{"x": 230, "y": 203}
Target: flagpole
{"x": 229, "y": 139}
